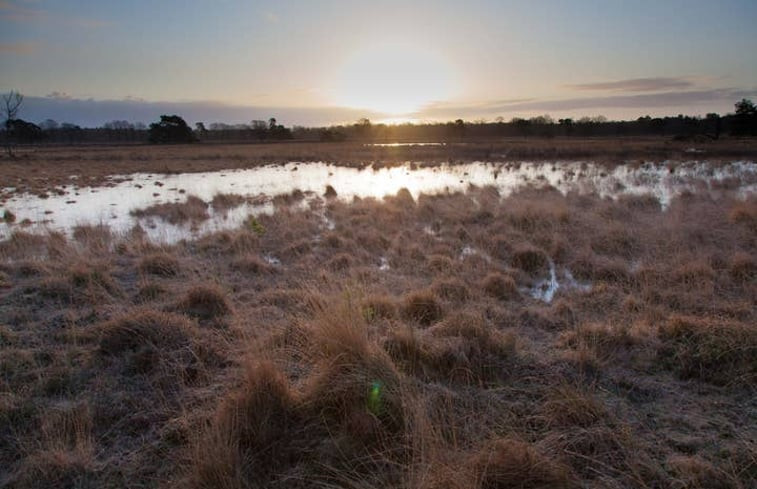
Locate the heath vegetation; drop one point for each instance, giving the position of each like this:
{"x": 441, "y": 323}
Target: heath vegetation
{"x": 459, "y": 340}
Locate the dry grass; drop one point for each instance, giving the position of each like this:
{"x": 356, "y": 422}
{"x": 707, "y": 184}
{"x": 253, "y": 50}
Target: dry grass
{"x": 422, "y": 307}
{"x": 203, "y": 364}
{"x": 161, "y": 264}
{"x": 207, "y": 301}
{"x": 723, "y": 352}
{"x": 194, "y": 209}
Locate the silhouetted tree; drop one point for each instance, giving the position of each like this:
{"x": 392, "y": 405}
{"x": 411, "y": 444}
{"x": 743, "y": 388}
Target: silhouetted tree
{"x": 363, "y": 128}
{"x": 745, "y": 120}
{"x": 171, "y": 129}
{"x": 714, "y": 124}
{"x": 24, "y": 132}
{"x": 11, "y": 105}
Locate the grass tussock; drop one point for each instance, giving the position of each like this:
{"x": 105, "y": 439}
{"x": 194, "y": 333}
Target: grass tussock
{"x": 160, "y": 264}
{"x": 422, "y": 307}
{"x": 224, "y": 202}
{"x": 509, "y": 463}
{"x": 530, "y": 259}
{"x": 147, "y": 341}
{"x": 499, "y": 286}
{"x": 206, "y": 301}
{"x": 452, "y": 289}
{"x": 65, "y": 455}
{"x": 718, "y": 351}
{"x": 194, "y": 209}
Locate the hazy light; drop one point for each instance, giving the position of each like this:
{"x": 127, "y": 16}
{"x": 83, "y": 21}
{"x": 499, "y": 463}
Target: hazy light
{"x": 393, "y": 79}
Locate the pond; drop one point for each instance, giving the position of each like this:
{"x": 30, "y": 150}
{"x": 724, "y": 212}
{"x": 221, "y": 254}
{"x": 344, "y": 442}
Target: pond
{"x": 115, "y": 203}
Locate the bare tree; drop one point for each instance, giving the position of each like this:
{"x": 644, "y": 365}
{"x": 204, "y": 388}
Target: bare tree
{"x": 11, "y": 105}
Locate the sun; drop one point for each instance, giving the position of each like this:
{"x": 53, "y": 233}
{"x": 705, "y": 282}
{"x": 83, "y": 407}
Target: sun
{"x": 393, "y": 79}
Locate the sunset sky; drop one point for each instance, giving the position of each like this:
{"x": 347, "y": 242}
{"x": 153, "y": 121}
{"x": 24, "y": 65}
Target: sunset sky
{"x": 324, "y": 62}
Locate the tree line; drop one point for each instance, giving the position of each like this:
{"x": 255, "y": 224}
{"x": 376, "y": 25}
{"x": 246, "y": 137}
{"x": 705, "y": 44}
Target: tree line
{"x": 173, "y": 129}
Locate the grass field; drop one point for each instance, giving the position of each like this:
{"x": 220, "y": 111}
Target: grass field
{"x": 385, "y": 343}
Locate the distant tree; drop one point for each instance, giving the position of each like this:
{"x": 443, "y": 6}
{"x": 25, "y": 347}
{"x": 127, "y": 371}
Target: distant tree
{"x": 171, "y": 129}
{"x": 118, "y": 125}
{"x": 24, "y": 132}
{"x": 49, "y": 125}
{"x": 567, "y": 125}
{"x": 745, "y": 120}
{"x": 11, "y": 105}
{"x": 331, "y": 135}
{"x": 277, "y": 131}
{"x": 363, "y": 128}
{"x": 457, "y": 128}
{"x": 714, "y": 123}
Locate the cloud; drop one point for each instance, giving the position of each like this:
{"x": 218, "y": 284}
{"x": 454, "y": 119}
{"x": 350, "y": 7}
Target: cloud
{"x": 19, "y": 48}
{"x": 59, "y": 95}
{"x": 677, "y": 99}
{"x": 637, "y": 85}
{"x": 94, "y": 113}
{"x": 14, "y": 12}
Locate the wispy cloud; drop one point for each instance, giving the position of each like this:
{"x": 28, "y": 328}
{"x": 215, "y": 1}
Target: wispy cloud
{"x": 19, "y": 48}
{"x": 662, "y": 100}
{"x": 56, "y": 95}
{"x": 91, "y": 113}
{"x": 637, "y": 84}
{"x": 15, "y": 11}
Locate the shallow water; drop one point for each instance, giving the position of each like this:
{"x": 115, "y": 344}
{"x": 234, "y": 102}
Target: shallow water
{"x": 113, "y": 204}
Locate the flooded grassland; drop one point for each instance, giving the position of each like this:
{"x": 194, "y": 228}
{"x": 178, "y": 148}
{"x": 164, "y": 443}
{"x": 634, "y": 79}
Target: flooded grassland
{"x": 559, "y": 324}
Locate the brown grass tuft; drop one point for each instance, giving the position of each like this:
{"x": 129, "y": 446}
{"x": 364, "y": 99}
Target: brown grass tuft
{"x": 148, "y": 340}
{"x": 379, "y": 307}
{"x": 568, "y": 405}
{"x": 66, "y": 455}
{"x": 500, "y": 286}
{"x": 250, "y": 436}
{"x": 718, "y": 351}
{"x": 529, "y": 259}
{"x": 205, "y": 301}
{"x": 161, "y": 264}
{"x": 508, "y": 463}
{"x": 194, "y": 209}
{"x": 451, "y": 289}
{"x": 422, "y": 307}
{"x": 743, "y": 267}
{"x": 222, "y": 202}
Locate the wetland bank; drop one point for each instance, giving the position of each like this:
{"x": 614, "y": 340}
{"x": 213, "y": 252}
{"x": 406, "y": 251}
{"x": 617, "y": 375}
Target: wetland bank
{"x": 563, "y": 324}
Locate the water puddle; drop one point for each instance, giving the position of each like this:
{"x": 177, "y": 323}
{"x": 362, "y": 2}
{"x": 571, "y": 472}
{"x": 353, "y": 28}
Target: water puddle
{"x": 114, "y": 204}
{"x": 545, "y": 289}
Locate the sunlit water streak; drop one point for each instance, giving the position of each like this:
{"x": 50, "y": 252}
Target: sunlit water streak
{"x": 113, "y": 205}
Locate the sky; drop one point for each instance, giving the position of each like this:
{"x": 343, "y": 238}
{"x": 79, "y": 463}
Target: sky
{"x": 325, "y": 62}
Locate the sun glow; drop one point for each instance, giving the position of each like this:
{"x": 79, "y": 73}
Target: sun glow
{"x": 393, "y": 79}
